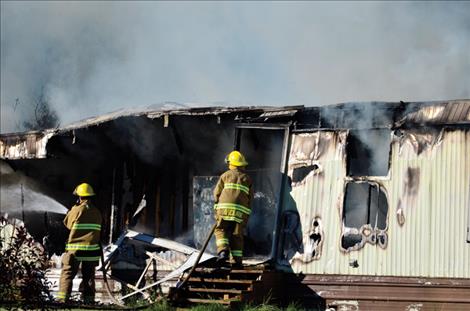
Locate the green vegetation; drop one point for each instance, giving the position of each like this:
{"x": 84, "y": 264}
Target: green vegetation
{"x": 23, "y": 266}
{"x": 164, "y": 306}
{"x": 214, "y": 307}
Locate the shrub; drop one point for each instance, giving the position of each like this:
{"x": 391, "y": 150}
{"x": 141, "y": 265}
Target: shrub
{"x": 23, "y": 266}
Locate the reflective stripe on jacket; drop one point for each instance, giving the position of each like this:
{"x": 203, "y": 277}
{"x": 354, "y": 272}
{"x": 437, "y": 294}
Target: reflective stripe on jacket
{"x": 233, "y": 194}
{"x": 84, "y": 222}
{"x": 81, "y": 247}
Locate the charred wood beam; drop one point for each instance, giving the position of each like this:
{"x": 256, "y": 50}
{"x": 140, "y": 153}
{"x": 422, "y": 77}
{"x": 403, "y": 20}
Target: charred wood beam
{"x": 178, "y": 140}
{"x": 237, "y": 139}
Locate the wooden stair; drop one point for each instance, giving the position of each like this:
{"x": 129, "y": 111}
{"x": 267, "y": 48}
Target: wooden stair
{"x": 228, "y": 287}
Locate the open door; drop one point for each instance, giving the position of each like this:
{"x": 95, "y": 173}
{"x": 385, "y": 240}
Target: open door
{"x": 264, "y": 147}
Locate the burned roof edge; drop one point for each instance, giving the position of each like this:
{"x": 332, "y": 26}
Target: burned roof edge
{"x": 157, "y": 113}
{"x": 439, "y": 112}
{"x": 32, "y": 144}
{"x": 370, "y": 115}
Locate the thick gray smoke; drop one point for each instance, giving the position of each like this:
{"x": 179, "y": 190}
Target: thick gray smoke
{"x": 19, "y": 193}
{"x": 88, "y": 58}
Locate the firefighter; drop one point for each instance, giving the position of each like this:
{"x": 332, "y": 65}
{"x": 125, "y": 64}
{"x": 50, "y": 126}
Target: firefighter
{"x": 83, "y": 245}
{"x": 233, "y": 194}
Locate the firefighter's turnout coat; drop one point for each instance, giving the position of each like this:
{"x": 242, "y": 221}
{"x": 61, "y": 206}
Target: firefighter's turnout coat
{"x": 82, "y": 248}
{"x": 233, "y": 194}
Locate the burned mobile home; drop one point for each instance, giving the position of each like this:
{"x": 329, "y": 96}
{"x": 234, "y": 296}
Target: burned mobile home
{"x": 361, "y": 204}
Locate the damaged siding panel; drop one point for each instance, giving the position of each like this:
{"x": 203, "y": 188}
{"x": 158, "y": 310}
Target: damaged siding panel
{"x": 429, "y": 186}
{"x": 433, "y": 234}
{"x": 449, "y": 212}
{"x": 322, "y": 195}
{"x": 24, "y": 146}
{"x": 317, "y": 193}
{"x": 410, "y": 199}
{"x": 432, "y": 189}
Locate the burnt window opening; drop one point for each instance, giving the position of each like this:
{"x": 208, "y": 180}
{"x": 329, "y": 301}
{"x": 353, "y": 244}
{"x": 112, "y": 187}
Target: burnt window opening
{"x": 368, "y": 152}
{"x": 364, "y": 216}
{"x": 299, "y": 173}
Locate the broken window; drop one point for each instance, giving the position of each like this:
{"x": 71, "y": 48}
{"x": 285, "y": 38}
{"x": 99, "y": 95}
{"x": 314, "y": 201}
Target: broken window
{"x": 364, "y": 216}
{"x": 368, "y": 152}
{"x": 299, "y": 173}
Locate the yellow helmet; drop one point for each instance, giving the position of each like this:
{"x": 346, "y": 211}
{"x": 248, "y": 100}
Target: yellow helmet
{"x": 84, "y": 190}
{"x": 235, "y": 158}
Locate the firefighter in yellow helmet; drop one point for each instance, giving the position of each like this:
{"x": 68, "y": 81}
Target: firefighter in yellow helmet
{"x": 233, "y": 194}
{"x": 83, "y": 245}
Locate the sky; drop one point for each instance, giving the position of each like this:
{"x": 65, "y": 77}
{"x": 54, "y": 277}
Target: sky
{"x": 90, "y": 58}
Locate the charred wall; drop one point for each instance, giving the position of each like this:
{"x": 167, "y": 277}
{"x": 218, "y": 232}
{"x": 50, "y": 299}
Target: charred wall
{"x": 411, "y": 221}
{"x": 139, "y": 161}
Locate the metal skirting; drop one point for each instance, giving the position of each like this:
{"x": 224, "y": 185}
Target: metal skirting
{"x": 380, "y": 293}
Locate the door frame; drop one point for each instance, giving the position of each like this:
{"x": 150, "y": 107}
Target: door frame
{"x": 283, "y": 170}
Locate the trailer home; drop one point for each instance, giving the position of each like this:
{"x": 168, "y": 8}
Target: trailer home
{"x": 360, "y": 206}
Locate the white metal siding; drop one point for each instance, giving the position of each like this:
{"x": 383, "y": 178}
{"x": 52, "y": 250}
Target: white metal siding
{"x": 431, "y": 242}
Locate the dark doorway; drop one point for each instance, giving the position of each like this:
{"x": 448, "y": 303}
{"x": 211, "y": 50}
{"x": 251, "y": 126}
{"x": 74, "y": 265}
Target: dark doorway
{"x": 263, "y": 148}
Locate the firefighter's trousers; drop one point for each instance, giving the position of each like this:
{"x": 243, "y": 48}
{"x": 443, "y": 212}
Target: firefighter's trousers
{"x": 229, "y": 237}
{"x": 70, "y": 267}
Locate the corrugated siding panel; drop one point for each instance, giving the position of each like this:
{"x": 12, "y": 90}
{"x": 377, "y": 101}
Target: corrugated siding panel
{"x": 450, "y": 184}
{"x": 431, "y": 242}
{"x": 407, "y": 245}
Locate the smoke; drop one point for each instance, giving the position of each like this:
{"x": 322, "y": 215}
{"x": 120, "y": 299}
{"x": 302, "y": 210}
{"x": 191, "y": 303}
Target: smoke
{"x": 88, "y": 58}
{"x": 19, "y": 193}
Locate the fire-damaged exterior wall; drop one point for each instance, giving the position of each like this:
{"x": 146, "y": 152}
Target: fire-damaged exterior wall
{"x": 367, "y": 203}
{"x": 427, "y": 190}
{"x": 320, "y": 157}
{"x": 25, "y": 146}
{"x": 436, "y": 210}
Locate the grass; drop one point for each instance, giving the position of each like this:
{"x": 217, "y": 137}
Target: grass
{"x": 165, "y": 306}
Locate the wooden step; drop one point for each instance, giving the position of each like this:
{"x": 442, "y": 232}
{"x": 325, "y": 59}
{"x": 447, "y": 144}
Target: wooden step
{"x": 228, "y": 276}
{"x": 247, "y": 271}
{"x": 227, "y": 287}
{"x": 224, "y": 281}
{"x": 228, "y": 271}
{"x": 217, "y": 290}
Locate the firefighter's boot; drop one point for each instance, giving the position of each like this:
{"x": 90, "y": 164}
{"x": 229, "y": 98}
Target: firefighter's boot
{"x": 222, "y": 259}
{"x": 237, "y": 263}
